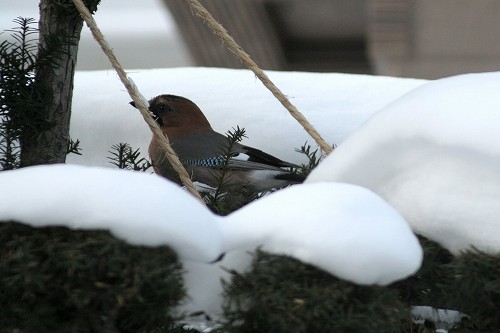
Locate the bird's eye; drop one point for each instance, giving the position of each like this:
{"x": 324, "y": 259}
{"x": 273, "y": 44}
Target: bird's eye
{"x": 165, "y": 108}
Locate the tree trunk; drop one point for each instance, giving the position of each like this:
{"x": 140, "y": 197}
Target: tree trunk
{"x": 50, "y": 146}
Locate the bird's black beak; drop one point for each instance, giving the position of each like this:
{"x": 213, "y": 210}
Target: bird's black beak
{"x": 154, "y": 115}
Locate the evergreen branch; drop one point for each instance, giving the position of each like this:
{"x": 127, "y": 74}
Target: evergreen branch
{"x": 118, "y": 154}
{"x": 74, "y": 147}
{"x": 221, "y": 201}
{"x": 312, "y": 159}
{"x": 124, "y": 157}
{"x": 20, "y": 97}
{"x": 233, "y": 137}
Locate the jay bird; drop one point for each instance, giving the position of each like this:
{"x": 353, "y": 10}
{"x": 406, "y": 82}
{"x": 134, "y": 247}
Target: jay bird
{"x": 201, "y": 150}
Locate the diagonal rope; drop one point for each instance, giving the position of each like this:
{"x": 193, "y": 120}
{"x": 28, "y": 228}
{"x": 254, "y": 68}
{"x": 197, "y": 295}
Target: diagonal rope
{"x": 138, "y": 100}
{"x": 219, "y": 30}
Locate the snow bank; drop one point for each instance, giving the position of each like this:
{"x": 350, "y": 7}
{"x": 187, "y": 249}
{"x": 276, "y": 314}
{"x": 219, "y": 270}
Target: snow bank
{"x": 337, "y": 104}
{"x": 140, "y": 208}
{"x": 434, "y": 155}
{"x": 359, "y": 238}
{"x": 347, "y": 230}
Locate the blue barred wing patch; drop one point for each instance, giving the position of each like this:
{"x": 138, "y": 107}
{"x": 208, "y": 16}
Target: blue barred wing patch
{"x": 214, "y": 161}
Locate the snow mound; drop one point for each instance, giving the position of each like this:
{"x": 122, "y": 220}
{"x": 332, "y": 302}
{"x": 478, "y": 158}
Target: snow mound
{"x": 343, "y": 229}
{"x": 434, "y": 155}
{"x": 140, "y": 208}
{"x": 336, "y": 104}
{"x": 346, "y": 230}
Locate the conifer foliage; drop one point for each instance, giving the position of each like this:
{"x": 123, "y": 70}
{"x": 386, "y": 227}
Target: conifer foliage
{"x": 220, "y": 200}
{"x": 60, "y": 280}
{"x": 123, "y": 156}
{"x": 474, "y": 288}
{"x": 281, "y": 294}
{"x": 21, "y": 96}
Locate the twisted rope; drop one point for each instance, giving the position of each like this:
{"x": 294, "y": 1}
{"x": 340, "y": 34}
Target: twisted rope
{"x": 219, "y": 30}
{"x": 136, "y": 97}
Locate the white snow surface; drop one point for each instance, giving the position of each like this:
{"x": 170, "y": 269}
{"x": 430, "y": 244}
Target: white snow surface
{"x": 336, "y": 104}
{"x": 145, "y": 209}
{"x": 140, "y": 208}
{"x": 342, "y": 226}
{"x": 434, "y": 155}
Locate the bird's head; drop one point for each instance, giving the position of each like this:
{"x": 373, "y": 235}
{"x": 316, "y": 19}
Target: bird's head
{"x": 176, "y": 114}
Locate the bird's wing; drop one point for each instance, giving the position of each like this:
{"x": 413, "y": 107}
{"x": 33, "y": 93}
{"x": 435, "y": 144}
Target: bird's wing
{"x": 257, "y": 155}
{"x": 237, "y": 164}
{"x": 205, "y": 144}
{"x": 208, "y": 148}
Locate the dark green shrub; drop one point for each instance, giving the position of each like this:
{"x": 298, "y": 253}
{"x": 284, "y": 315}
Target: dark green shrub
{"x": 469, "y": 283}
{"x": 60, "y": 280}
{"x": 423, "y": 288}
{"x": 280, "y": 294}
{"x": 474, "y": 288}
